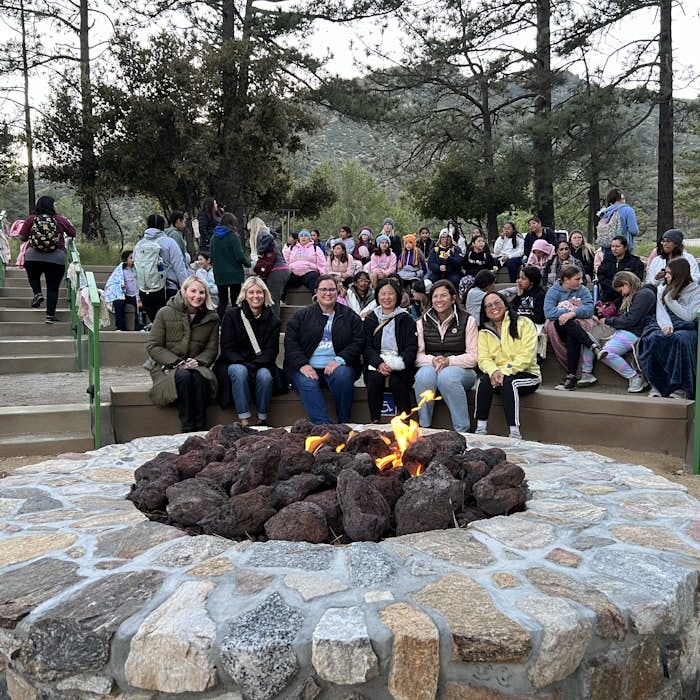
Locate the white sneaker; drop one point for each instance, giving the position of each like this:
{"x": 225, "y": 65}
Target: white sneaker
{"x": 678, "y": 394}
{"x": 587, "y": 379}
{"x": 480, "y": 431}
{"x": 654, "y": 393}
{"x": 515, "y": 434}
{"x": 637, "y": 384}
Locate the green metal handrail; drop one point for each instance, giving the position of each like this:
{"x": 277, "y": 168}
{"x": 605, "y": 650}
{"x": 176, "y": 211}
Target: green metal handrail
{"x": 93, "y": 334}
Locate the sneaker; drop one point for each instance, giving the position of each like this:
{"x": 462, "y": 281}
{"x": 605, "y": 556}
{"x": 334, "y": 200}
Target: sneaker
{"x": 637, "y": 384}
{"x": 678, "y": 394}
{"x": 38, "y": 300}
{"x": 654, "y": 393}
{"x": 51, "y": 319}
{"x": 587, "y": 379}
{"x": 515, "y": 434}
{"x": 480, "y": 431}
{"x": 600, "y": 353}
{"x": 569, "y": 383}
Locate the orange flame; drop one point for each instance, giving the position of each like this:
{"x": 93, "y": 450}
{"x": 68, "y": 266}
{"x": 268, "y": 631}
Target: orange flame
{"x": 314, "y": 443}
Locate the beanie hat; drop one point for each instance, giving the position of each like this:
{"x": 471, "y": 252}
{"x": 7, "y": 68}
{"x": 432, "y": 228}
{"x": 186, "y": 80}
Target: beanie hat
{"x": 366, "y": 231}
{"x": 388, "y": 220}
{"x": 383, "y": 238}
{"x": 674, "y": 235}
{"x": 304, "y": 232}
{"x": 409, "y": 238}
{"x": 445, "y": 232}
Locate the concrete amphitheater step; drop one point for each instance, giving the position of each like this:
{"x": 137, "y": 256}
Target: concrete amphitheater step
{"x": 45, "y": 429}
{"x": 61, "y": 329}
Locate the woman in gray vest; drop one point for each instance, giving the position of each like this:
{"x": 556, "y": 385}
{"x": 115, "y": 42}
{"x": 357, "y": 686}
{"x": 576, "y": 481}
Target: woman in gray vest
{"x": 447, "y": 354}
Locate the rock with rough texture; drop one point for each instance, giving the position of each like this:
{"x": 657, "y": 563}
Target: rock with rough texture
{"x": 370, "y": 565}
{"x": 241, "y": 516}
{"x": 171, "y": 650}
{"x": 415, "y": 653}
{"x": 152, "y": 480}
{"x": 296, "y": 488}
{"x": 310, "y": 586}
{"x": 454, "y": 546}
{"x": 429, "y": 502}
{"x": 298, "y": 522}
{"x": 328, "y": 500}
{"x": 341, "y": 650}
{"x": 291, "y": 555}
{"x": 24, "y": 588}
{"x": 75, "y": 635}
{"x": 256, "y": 468}
{"x": 257, "y": 650}
{"x": 609, "y": 623}
{"x": 190, "y": 499}
{"x": 17, "y": 549}
{"x": 129, "y": 542}
{"x": 366, "y": 515}
{"x": 187, "y": 551}
{"x": 501, "y": 491}
{"x": 566, "y": 635}
{"x": 481, "y": 633}
{"x": 516, "y": 531}
{"x": 192, "y": 462}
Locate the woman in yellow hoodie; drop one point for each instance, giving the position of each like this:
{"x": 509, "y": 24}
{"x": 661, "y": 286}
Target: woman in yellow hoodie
{"x": 508, "y": 359}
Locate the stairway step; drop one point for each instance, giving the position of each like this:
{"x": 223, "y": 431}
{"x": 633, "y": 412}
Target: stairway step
{"x": 40, "y": 364}
{"x": 14, "y": 315}
{"x": 12, "y": 329}
{"x": 14, "y": 347}
{"x": 24, "y": 445}
{"x": 24, "y": 302}
{"x": 45, "y": 419}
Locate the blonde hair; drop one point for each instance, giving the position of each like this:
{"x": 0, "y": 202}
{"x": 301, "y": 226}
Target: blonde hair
{"x": 254, "y": 281}
{"x": 628, "y": 278}
{"x": 208, "y": 303}
{"x": 254, "y": 226}
{"x": 587, "y": 250}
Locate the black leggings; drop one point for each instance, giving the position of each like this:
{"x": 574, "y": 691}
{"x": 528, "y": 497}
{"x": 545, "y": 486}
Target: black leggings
{"x": 400, "y": 385}
{"x": 192, "y": 399}
{"x": 514, "y": 386}
{"x": 226, "y": 291}
{"x": 574, "y": 337}
{"x": 54, "y": 274}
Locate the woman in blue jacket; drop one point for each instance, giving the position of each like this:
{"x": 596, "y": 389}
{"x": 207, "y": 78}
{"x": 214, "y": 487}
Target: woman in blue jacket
{"x": 567, "y": 302}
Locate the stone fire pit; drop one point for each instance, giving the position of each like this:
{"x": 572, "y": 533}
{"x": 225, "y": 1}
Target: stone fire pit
{"x": 589, "y": 593}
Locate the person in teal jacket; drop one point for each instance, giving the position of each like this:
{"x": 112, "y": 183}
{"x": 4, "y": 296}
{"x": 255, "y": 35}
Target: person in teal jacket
{"x": 228, "y": 260}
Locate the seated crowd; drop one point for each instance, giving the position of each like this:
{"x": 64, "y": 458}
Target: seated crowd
{"x": 412, "y": 315}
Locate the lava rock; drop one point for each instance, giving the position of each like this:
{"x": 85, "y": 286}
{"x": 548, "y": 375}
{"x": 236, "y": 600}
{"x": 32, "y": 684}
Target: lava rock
{"x": 294, "y": 460}
{"x": 188, "y": 500}
{"x": 488, "y": 457}
{"x": 390, "y": 484}
{"x": 153, "y": 468}
{"x": 470, "y": 514}
{"x": 419, "y": 454}
{"x": 194, "y": 442}
{"x": 153, "y": 478}
{"x": 372, "y": 442}
{"x": 429, "y": 502}
{"x": 257, "y": 467}
{"x": 328, "y": 501}
{"x": 448, "y": 441}
{"x": 241, "y": 516}
{"x": 366, "y": 515}
{"x": 296, "y": 488}
{"x": 228, "y": 435}
{"x": 298, "y": 522}
{"x": 501, "y": 491}
{"x": 223, "y": 473}
{"x": 328, "y": 464}
{"x": 192, "y": 462}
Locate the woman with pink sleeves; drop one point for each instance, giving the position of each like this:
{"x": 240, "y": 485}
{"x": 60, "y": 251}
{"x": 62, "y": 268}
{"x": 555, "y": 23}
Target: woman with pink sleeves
{"x": 382, "y": 263}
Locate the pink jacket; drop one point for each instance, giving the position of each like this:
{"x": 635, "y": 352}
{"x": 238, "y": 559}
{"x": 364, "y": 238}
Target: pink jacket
{"x": 385, "y": 263}
{"x": 305, "y": 258}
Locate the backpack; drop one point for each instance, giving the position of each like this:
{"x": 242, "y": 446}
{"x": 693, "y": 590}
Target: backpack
{"x": 149, "y": 266}
{"x": 44, "y": 235}
{"x": 608, "y": 228}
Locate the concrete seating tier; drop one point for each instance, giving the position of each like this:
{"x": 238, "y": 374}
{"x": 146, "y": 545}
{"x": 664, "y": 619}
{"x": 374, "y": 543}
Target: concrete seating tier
{"x": 577, "y": 418}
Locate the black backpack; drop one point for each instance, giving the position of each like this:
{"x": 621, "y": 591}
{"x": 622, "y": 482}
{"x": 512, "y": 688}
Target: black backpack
{"x": 44, "y": 235}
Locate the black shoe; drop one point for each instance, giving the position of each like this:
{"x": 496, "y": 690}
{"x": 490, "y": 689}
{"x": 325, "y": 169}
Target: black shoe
{"x": 569, "y": 383}
{"x": 38, "y": 300}
{"x": 51, "y": 319}
{"x": 599, "y": 352}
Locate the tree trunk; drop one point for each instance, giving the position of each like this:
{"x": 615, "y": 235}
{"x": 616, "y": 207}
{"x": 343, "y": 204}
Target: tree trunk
{"x": 543, "y": 181}
{"x": 28, "y": 135}
{"x": 489, "y": 169}
{"x": 92, "y": 224}
{"x": 593, "y": 205}
{"x": 664, "y": 204}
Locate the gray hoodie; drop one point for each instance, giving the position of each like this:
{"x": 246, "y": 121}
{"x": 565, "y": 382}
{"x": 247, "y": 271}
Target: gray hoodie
{"x": 176, "y": 270}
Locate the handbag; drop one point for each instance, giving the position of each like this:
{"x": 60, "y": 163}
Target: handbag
{"x": 265, "y": 263}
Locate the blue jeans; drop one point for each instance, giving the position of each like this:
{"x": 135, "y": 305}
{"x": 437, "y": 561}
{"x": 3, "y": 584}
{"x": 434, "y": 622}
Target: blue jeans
{"x": 238, "y": 374}
{"x": 452, "y": 384}
{"x": 342, "y": 387}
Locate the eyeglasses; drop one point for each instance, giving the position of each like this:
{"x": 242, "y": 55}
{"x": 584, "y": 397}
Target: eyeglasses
{"x": 495, "y": 305}
{"x": 327, "y": 290}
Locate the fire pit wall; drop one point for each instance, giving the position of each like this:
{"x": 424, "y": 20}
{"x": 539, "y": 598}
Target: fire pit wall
{"x": 589, "y": 593}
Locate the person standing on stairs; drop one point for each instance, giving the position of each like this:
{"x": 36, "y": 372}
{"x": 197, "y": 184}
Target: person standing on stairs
{"x": 46, "y": 232}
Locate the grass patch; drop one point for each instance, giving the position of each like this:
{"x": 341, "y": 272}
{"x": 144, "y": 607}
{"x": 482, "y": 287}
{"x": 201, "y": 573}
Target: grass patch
{"x": 91, "y": 252}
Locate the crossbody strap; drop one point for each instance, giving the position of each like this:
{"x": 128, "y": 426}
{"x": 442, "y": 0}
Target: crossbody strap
{"x": 251, "y": 335}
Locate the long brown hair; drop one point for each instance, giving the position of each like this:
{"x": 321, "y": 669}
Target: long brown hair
{"x": 680, "y": 278}
{"x": 630, "y": 279}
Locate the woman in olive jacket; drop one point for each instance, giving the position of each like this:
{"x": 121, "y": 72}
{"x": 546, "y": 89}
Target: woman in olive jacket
{"x": 183, "y": 345}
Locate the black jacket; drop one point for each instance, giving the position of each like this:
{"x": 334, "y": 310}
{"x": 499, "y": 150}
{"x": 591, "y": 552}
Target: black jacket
{"x": 547, "y": 235}
{"x": 642, "y": 308}
{"x": 236, "y": 348}
{"x": 305, "y": 331}
{"x": 406, "y": 340}
{"x": 530, "y": 304}
{"x": 607, "y": 270}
